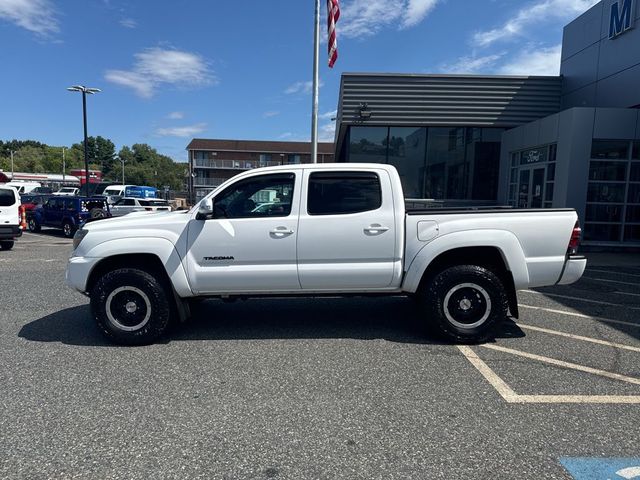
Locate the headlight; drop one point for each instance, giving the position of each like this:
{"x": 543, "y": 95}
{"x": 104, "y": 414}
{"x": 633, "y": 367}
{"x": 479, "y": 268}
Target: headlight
{"x": 77, "y": 238}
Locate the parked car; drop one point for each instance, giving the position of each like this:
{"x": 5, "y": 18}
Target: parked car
{"x": 67, "y": 213}
{"x": 115, "y": 192}
{"x": 344, "y": 231}
{"x": 42, "y": 190}
{"x": 32, "y": 201}
{"x": 68, "y": 191}
{"x": 124, "y": 206}
{"x": 23, "y": 187}
{"x": 10, "y": 217}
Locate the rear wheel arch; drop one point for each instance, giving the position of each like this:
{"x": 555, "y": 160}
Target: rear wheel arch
{"x": 488, "y": 257}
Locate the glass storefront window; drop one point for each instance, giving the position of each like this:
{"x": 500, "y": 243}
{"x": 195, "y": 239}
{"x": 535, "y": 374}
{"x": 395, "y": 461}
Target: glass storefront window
{"x": 633, "y": 214}
{"x": 604, "y": 213}
{"x": 611, "y": 149}
{"x": 634, "y": 174}
{"x": 548, "y": 192}
{"x": 602, "y": 232}
{"x": 634, "y": 193}
{"x": 368, "y": 144}
{"x": 553, "y": 152}
{"x": 551, "y": 172}
{"x": 605, "y": 193}
{"x": 407, "y": 153}
{"x": 636, "y": 150}
{"x": 632, "y": 233}
{"x": 608, "y": 171}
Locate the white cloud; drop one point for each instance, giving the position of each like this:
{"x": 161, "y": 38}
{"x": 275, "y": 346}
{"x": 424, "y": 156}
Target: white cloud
{"x": 545, "y": 61}
{"x": 186, "y": 131}
{"x": 301, "y": 87}
{"x": 154, "y": 67}
{"x": 285, "y": 135}
{"x": 363, "y": 18}
{"x": 176, "y": 116}
{"x": 536, "y": 12}
{"x": 271, "y": 113}
{"x": 327, "y": 132}
{"x": 328, "y": 115}
{"x": 128, "y": 23}
{"x": 37, "y": 16}
{"x": 472, "y": 64}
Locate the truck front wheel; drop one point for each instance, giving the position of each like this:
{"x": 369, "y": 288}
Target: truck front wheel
{"x": 466, "y": 303}
{"x": 130, "y": 306}
{"x": 6, "y": 245}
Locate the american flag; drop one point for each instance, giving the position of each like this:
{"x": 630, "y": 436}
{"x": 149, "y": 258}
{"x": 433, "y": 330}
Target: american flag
{"x": 333, "y": 14}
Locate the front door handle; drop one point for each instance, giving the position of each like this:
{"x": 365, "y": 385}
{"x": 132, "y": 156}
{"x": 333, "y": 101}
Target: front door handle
{"x": 280, "y": 232}
{"x": 375, "y": 229}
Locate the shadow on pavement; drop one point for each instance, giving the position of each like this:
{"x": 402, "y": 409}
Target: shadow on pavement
{"x": 392, "y": 319}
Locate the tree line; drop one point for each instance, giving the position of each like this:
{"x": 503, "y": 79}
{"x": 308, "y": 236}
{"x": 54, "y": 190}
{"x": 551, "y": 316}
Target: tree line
{"x": 143, "y": 164}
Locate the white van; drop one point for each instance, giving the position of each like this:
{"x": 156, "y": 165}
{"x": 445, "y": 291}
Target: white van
{"x": 23, "y": 187}
{"x": 115, "y": 193}
{"x": 10, "y": 224}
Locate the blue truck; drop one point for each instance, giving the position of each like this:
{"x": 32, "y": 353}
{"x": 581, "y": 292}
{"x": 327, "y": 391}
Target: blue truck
{"x": 67, "y": 213}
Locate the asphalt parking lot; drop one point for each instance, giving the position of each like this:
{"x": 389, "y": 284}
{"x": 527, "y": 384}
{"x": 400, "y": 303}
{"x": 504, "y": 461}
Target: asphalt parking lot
{"x": 319, "y": 388}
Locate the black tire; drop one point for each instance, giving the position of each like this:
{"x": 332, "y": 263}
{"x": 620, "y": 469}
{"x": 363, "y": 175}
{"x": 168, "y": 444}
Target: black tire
{"x": 6, "y": 244}
{"x": 96, "y": 213}
{"x": 465, "y": 303}
{"x": 33, "y": 225}
{"x": 130, "y": 306}
{"x": 68, "y": 229}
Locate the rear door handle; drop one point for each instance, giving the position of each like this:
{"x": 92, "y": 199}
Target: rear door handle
{"x": 375, "y": 229}
{"x": 281, "y": 232}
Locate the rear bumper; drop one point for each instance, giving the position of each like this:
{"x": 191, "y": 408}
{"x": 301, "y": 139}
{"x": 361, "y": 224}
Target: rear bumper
{"x": 9, "y": 232}
{"x": 573, "y": 269}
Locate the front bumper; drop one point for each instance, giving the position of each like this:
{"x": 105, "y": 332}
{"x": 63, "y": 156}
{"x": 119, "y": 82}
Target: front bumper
{"x": 78, "y": 270}
{"x": 9, "y": 232}
{"x": 573, "y": 269}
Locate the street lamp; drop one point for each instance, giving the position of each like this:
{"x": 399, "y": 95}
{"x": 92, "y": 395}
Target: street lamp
{"x": 85, "y": 91}
{"x": 122, "y": 160}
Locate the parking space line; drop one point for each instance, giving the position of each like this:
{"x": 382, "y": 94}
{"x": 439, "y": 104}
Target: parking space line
{"x": 563, "y": 364}
{"x": 496, "y": 382}
{"x": 580, "y": 315}
{"x": 598, "y": 302}
{"x": 612, "y": 281}
{"x": 597, "y": 399}
{"x": 511, "y": 396}
{"x": 579, "y": 337}
{"x": 612, "y": 273}
{"x": 617, "y": 292}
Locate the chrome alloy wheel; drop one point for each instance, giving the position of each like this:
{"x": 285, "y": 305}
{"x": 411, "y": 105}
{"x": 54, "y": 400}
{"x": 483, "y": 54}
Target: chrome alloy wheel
{"x": 467, "y": 305}
{"x": 128, "y": 308}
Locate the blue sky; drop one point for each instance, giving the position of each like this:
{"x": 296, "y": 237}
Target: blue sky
{"x": 174, "y": 70}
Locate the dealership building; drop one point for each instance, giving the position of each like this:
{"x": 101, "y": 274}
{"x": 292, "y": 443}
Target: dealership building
{"x": 526, "y": 141}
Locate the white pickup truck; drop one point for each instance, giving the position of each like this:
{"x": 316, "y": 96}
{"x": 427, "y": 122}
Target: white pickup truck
{"x": 329, "y": 229}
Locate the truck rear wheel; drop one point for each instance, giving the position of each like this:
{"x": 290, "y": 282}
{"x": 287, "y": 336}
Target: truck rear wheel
{"x": 466, "y": 303}
{"x": 130, "y": 306}
{"x": 6, "y": 245}
{"x": 68, "y": 229}
{"x": 33, "y": 225}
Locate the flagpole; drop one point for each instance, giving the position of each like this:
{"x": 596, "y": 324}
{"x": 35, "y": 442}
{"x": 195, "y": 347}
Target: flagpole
{"x": 314, "y": 108}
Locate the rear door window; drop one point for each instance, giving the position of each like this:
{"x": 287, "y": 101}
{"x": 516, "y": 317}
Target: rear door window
{"x": 340, "y": 193}
{"x": 7, "y": 197}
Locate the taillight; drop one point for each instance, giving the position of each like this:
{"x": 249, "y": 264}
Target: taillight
{"x": 575, "y": 239}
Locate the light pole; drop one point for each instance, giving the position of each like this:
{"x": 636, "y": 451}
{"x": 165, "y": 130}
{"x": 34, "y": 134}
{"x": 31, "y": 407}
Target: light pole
{"x": 122, "y": 160}
{"x": 85, "y": 91}
{"x": 64, "y": 166}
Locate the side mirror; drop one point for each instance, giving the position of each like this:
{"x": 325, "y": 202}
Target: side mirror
{"x": 205, "y": 209}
